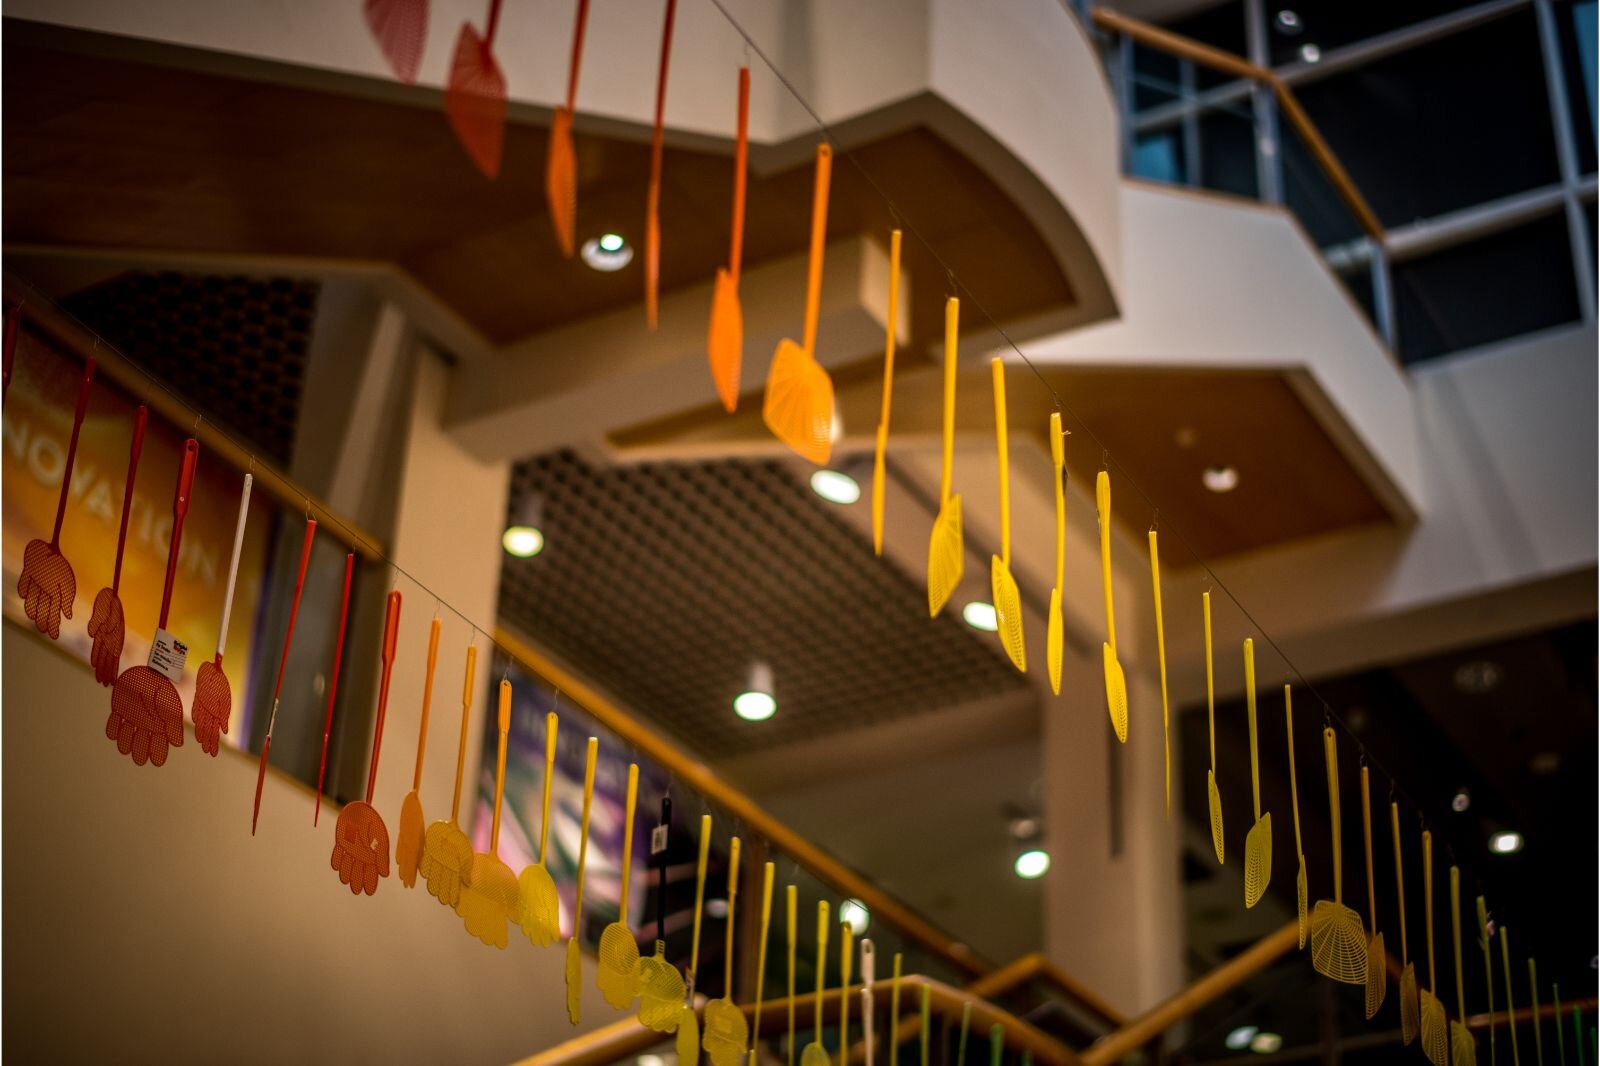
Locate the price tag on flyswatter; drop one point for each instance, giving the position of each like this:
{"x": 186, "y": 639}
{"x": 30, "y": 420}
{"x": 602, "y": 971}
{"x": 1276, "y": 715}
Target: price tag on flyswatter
{"x": 167, "y": 656}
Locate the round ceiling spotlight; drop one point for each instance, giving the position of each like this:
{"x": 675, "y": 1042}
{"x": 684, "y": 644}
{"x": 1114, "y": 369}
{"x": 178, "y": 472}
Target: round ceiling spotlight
{"x": 1477, "y": 677}
{"x": 835, "y": 486}
{"x": 1239, "y": 1039}
{"x": 1461, "y": 801}
{"x": 981, "y": 615}
{"x": 757, "y": 703}
{"x": 853, "y": 913}
{"x": 1032, "y": 864}
{"x": 1310, "y": 53}
{"x": 1288, "y": 22}
{"x": 1220, "y": 478}
{"x": 1505, "y": 842}
{"x": 607, "y": 252}
{"x": 1266, "y": 1043}
{"x": 522, "y": 541}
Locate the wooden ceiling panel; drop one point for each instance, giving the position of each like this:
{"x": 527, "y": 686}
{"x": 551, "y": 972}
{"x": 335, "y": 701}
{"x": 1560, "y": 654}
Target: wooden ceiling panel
{"x": 107, "y": 151}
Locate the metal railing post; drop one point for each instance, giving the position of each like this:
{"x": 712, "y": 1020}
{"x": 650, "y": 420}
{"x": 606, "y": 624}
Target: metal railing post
{"x": 1269, "y": 156}
{"x": 1567, "y": 156}
{"x": 1383, "y": 295}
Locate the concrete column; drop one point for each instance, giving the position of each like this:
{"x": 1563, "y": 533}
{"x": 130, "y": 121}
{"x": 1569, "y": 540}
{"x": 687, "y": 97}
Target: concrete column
{"x": 1113, "y": 909}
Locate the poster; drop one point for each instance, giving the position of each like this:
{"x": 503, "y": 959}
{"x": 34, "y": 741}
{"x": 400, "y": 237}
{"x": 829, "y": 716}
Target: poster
{"x": 37, "y": 427}
{"x": 524, "y": 795}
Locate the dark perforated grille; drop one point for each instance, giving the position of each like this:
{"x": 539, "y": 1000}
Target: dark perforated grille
{"x": 234, "y": 347}
{"x": 665, "y": 581}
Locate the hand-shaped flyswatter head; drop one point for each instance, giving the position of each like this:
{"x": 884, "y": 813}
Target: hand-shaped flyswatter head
{"x": 47, "y": 586}
{"x": 146, "y": 713}
{"x": 360, "y": 839}
{"x": 489, "y": 897}
{"x": 213, "y": 700}
{"x": 660, "y": 984}
{"x": 618, "y": 972}
{"x": 446, "y": 852}
{"x": 283, "y": 661}
{"x": 408, "y": 842}
{"x": 541, "y": 909}
{"x": 106, "y": 629}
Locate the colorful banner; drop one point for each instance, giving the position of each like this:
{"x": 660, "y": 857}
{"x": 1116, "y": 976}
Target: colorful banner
{"x": 524, "y": 795}
{"x": 38, "y": 425}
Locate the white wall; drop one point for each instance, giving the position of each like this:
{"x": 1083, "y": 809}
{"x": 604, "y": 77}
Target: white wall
{"x": 144, "y": 924}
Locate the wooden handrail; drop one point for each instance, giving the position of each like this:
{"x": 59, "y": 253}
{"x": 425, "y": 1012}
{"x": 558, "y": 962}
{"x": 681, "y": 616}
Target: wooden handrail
{"x": 743, "y": 809}
{"x": 40, "y": 316}
{"x": 627, "y": 1037}
{"x": 1032, "y": 967}
{"x": 1165, "y": 1015}
{"x": 1217, "y": 59}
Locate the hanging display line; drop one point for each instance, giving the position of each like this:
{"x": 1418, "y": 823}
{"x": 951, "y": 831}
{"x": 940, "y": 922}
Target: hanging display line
{"x": 475, "y": 104}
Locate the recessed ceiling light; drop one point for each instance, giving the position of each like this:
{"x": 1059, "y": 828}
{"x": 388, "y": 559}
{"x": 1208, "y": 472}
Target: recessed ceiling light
{"x": 1460, "y": 801}
{"x": 650, "y": 1060}
{"x": 755, "y": 706}
{"x": 716, "y": 908}
{"x": 1288, "y": 22}
{"x": 853, "y": 913}
{"x": 1310, "y": 53}
{"x": 980, "y": 615}
{"x": 607, "y": 252}
{"x": 1477, "y": 677}
{"x": 1032, "y": 864}
{"x": 1220, "y": 478}
{"x": 1024, "y": 828}
{"x": 835, "y": 487}
{"x": 1545, "y": 763}
{"x": 1505, "y": 842}
{"x": 1240, "y": 1038}
{"x": 1266, "y": 1043}
{"x": 522, "y": 541}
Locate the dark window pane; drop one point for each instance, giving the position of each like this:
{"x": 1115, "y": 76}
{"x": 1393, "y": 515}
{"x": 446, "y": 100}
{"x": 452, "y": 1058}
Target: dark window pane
{"x": 1228, "y": 151}
{"x": 1498, "y": 287}
{"x": 1311, "y": 196}
{"x": 1221, "y": 27}
{"x": 1329, "y": 24}
{"x": 1588, "y": 213}
{"x": 1443, "y": 126}
{"x": 1155, "y": 79}
{"x": 1358, "y": 283}
{"x": 1576, "y": 24}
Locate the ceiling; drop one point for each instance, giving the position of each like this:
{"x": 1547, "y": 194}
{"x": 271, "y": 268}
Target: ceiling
{"x": 664, "y": 582}
{"x": 108, "y": 152}
{"x": 1522, "y": 748}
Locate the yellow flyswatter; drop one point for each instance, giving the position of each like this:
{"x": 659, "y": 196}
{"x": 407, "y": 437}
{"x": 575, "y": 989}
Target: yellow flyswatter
{"x": 1377, "y": 957}
{"x": 1055, "y": 630}
{"x": 1213, "y": 796}
{"x": 761, "y": 958}
{"x": 1302, "y": 894}
{"x": 814, "y": 1053}
{"x": 541, "y": 909}
{"x": 1463, "y": 1049}
{"x": 946, "y": 555}
{"x": 1435, "y": 1032}
{"x": 1258, "y": 842}
{"x": 882, "y": 444}
{"x": 1410, "y": 1011}
{"x": 490, "y": 900}
{"x": 726, "y": 1029}
{"x": 1338, "y": 939}
{"x": 574, "y": 964}
{"x": 1161, "y": 662}
{"x": 688, "y": 1042}
{"x": 846, "y": 965}
{"x": 618, "y": 971}
{"x": 1007, "y": 601}
{"x": 446, "y": 851}
{"x": 792, "y": 916}
{"x": 410, "y": 840}
{"x": 1116, "y": 683}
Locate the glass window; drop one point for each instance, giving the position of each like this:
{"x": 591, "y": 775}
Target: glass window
{"x": 1576, "y": 25}
{"x": 1159, "y": 156}
{"x": 1221, "y": 26}
{"x": 1450, "y": 124}
{"x": 1487, "y": 290}
{"x": 1329, "y": 24}
{"x": 1228, "y": 150}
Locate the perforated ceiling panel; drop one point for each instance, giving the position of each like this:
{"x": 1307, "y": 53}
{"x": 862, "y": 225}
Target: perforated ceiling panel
{"x": 233, "y": 346}
{"x": 664, "y": 582}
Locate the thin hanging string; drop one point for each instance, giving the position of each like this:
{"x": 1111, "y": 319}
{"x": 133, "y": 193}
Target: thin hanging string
{"x": 751, "y": 47}
{"x": 1125, "y": 478}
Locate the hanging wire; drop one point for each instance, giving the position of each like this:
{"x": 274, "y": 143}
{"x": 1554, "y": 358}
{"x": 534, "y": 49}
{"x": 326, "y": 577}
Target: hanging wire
{"x": 1125, "y": 478}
